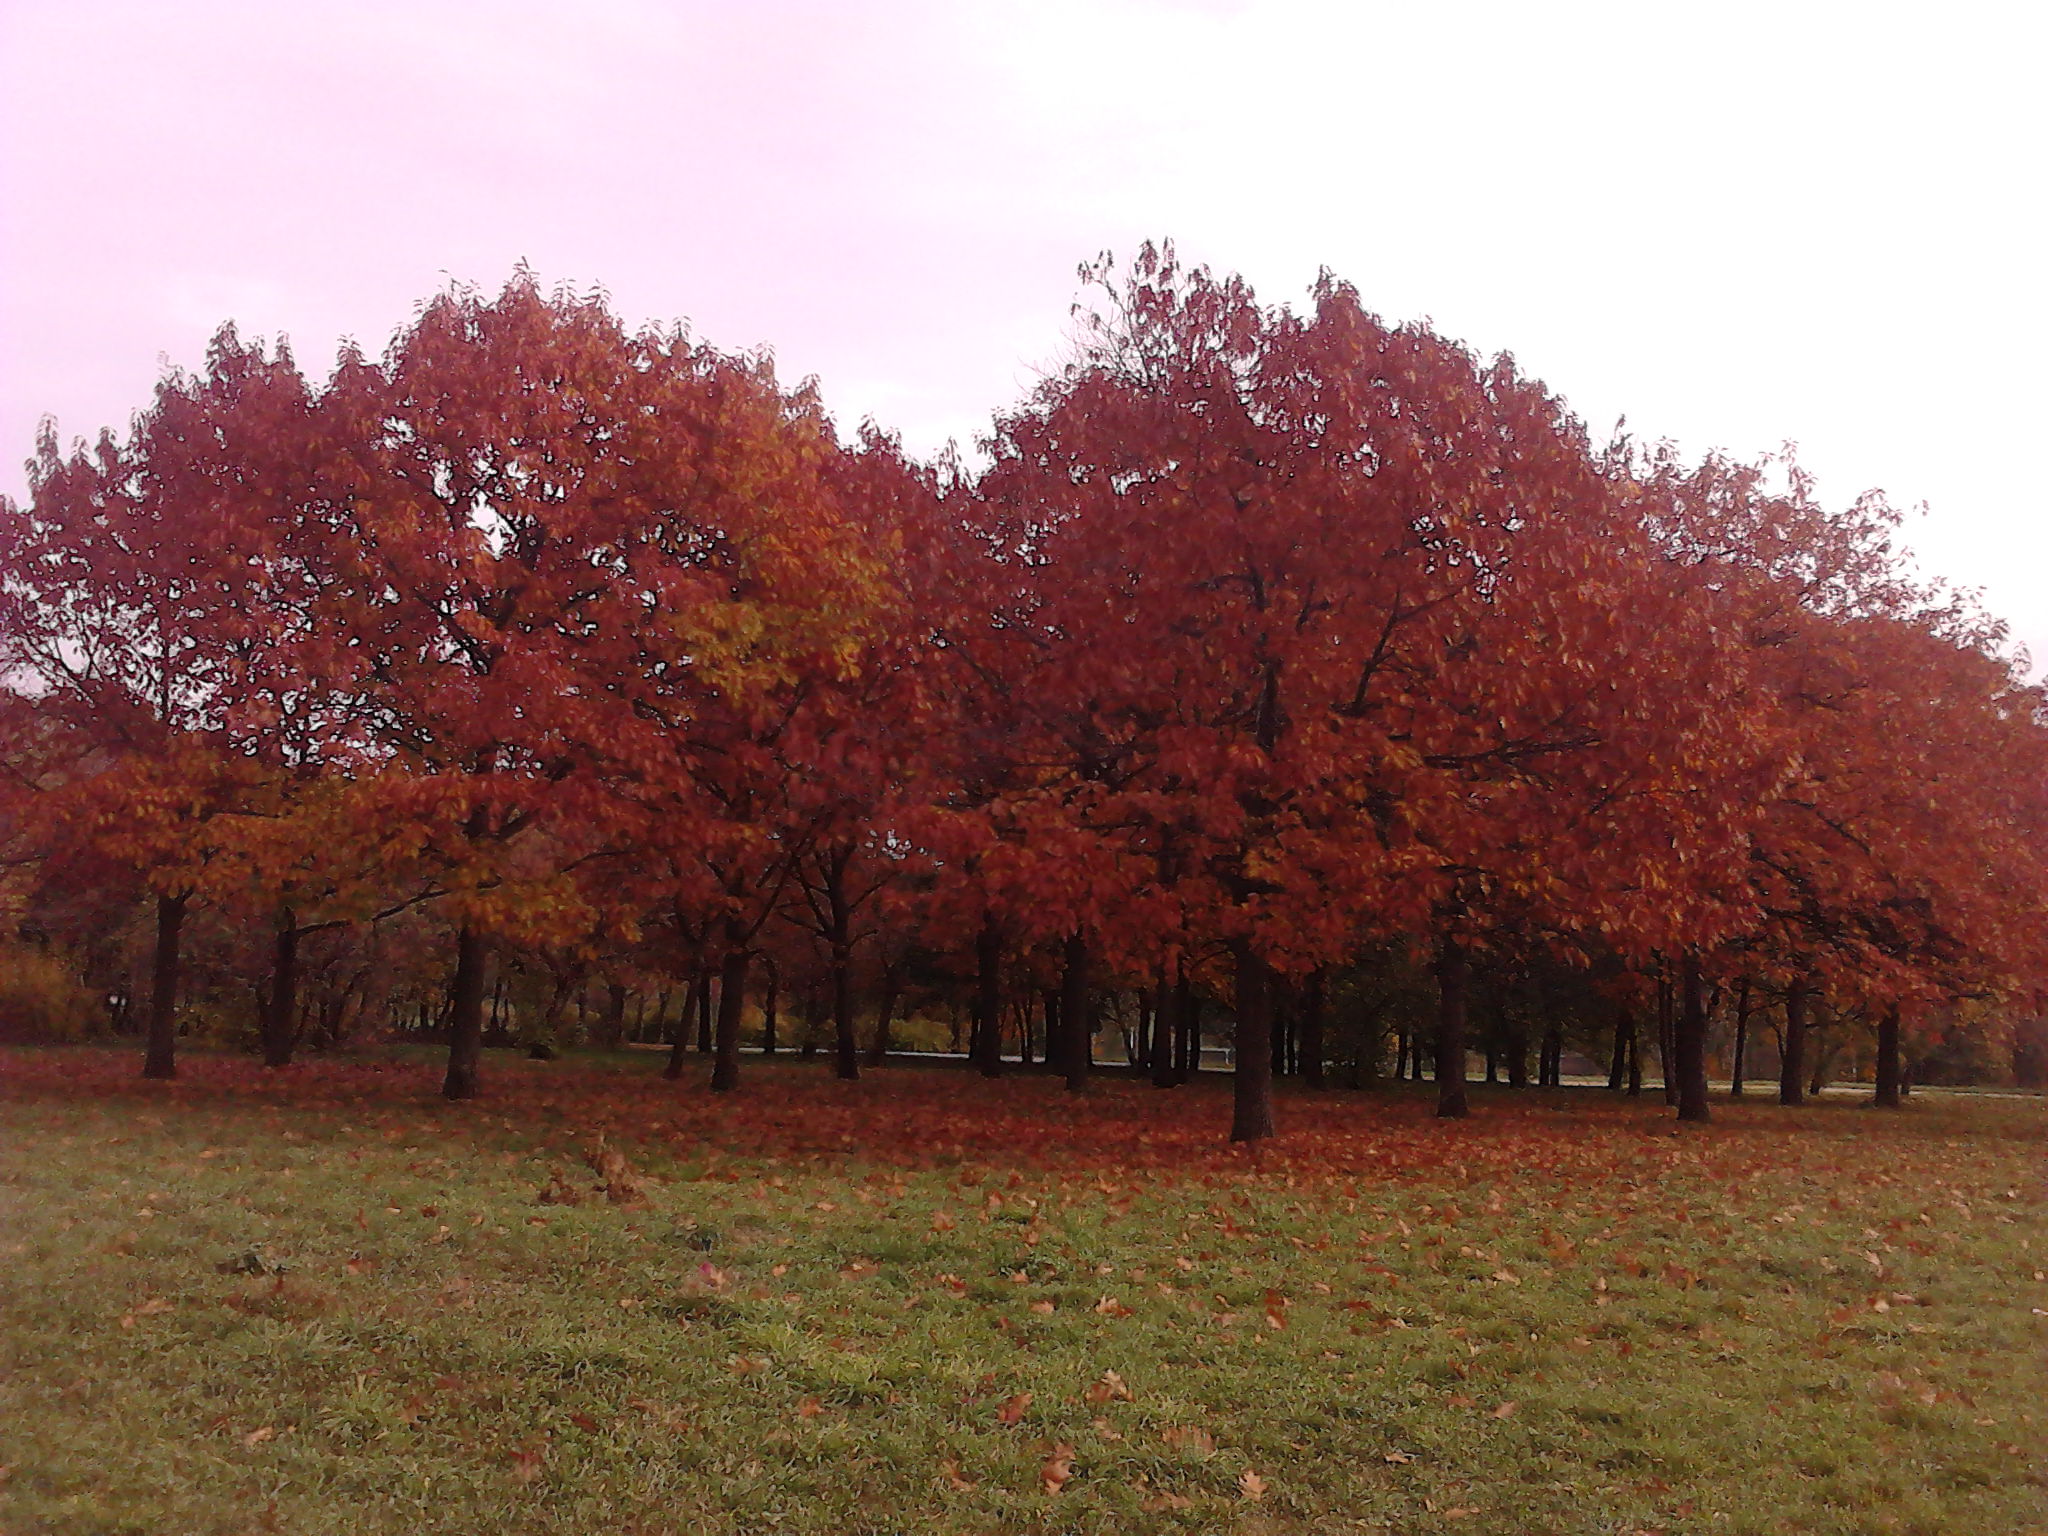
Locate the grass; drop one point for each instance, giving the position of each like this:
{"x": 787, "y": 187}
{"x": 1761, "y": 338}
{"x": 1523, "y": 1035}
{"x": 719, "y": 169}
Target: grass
{"x": 323, "y": 1301}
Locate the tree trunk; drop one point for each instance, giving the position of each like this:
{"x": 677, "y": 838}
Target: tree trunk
{"x": 1792, "y": 1054}
{"x": 612, "y": 1032}
{"x": 768, "y": 1002}
{"x": 892, "y": 984}
{"x": 846, "y": 1043}
{"x": 465, "y": 1016}
{"x": 1314, "y": 1001}
{"x": 1888, "y": 1073}
{"x": 1076, "y": 1036}
{"x": 679, "y": 1032}
{"x": 1617, "y": 1066}
{"x": 1252, "y": 1096}
{"x": 160, "y": 1058}
{"x": 1689, "y": 1043}
{"x": 1169, "y": 1031}
{"x": 732, "y": 1003}
{"x": 1736, "y": 1061}
{"x": 280, "y": 1008}
{"x": 1667, "y": 1032}
{"x": 985, "y": 1043}
{"x": 1450, "y": 1031}
{"x": 700, "y": 996}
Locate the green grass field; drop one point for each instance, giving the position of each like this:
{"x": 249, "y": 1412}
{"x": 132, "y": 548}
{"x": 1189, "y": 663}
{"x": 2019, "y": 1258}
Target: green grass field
{"x": 324, "y": 1301}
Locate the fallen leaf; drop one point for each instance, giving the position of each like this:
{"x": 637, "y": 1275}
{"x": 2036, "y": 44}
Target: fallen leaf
{"x": 1110, "y": 1389}
{"x": 949, "y": 1474}
{"x": 808, "y": 1408}
{"x": 1251, "y": 1485}
{"x": 256, "y": 1437}
{"x": 1506, "y": 1410}
{"x": 1058, "y": 1469}
{"x": 1013, "y": 1409}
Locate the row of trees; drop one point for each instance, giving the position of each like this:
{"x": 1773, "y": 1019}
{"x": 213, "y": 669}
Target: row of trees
{"x": 1272, "y": 654}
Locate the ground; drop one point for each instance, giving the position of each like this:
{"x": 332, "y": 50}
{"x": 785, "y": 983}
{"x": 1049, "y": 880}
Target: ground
{"x": 325, "y": 1301}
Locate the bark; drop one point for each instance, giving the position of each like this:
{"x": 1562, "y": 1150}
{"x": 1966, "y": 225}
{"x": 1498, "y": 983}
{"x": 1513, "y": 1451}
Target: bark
{"x": 1792, "y": 1054}
{"x": 1252, "y": 1095}
{"x": 1617, "y": 1066}
{"x": 679, "y": 1033}
{"x": 612, "y": 1032}
{"x": 1076, "y": 1035}
{"x": 1667, "y": 1042}
{"x": 1450, "y": 1031}
{"x": 768, "y": 1003}
{"x": 732, "y": 1002}
{"x": 1888, "y": 1072}
{"x": 892, "y": 985}
{"x": 701, "y": 995}
{"x": 845, "y": 1042}
{"x": 465, "y": 1016}
{"x": 1188, "y": 1029}
{"x": 1169, "y": 1032}
{"x": 1736, "y": 1062}
{"x": 280, "y": 1008}
{"x": 160, "y": 1058}
{"x": 1689, "y": 1044}
{"x": 985, "y": 1044}
{"x": 1314, "y": 1007}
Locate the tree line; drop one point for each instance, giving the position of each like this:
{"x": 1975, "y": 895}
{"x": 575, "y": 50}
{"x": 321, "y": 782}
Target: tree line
{"x": 1277, "y": 660}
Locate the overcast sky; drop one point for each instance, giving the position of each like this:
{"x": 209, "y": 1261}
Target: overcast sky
{"x": 1734, "y": 224}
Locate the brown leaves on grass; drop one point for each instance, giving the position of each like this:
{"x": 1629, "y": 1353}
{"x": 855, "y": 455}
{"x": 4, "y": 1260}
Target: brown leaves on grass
{"x": 1013, "y": 1410}
{"x": 1110, "y": 1388}
{"x": 1251, "y": 1485}
{"x": 1192, "y": 1438}
{"x": 285, "y": 1297}
{"x": 1058, "y": 1468}
{"x": 559, "y": 1191}
{"x": 622, "y": 1186}
{"x": 949, "y": 1475}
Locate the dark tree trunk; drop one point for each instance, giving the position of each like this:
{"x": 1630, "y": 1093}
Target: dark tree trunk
{"x": 732, "y": 1002}
{"x": 679, "y": 1032}
{"x": 1888, "y": 1073}
{"x": 1450, "y": 1031}
{"x": 768, "y": 1002}
{"x": 845, "y": 1041}
{"x": 1076, "y": 1035}
{"x": 1553, "y": 1055}
{"x": 1140, "y": 1053}
{"x": 1737, "y": 1056}
{"x": 1689, "y": 1043}
{"x": 1170, "y": 1032}
{"x": 985, "y": 1044}
{"x": 1252, "y": 1097}
{"x": 892, "y": 985}
{"x": 280, "y": 1008}
{"x": 1667, "y": 1030}
{"x": 1617, "y": 1066}
{"x": 1516, "y": 1049}
{"x": 1401, "y": 1039}
{"x": 1314, "y": 1003}
{"x": 465, "y": 1016}
{"x": 612, "y": 1032}
{"x": 1792, "y": 1054}
{"x": 700, "y": 999}
{"x": 160, "y": 1057}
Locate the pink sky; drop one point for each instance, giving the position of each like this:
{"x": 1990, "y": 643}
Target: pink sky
{"x": 1736, "y": 224}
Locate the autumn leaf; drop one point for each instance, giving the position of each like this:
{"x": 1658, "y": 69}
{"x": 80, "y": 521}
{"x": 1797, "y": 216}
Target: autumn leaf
{"x": 1013, "y": 1408}
{"x": 1110, "y": 1388}
{"x": 1058, "y": 1468}
{"x": 949, "y": 1474}
{"x": 1251, "y": 1485}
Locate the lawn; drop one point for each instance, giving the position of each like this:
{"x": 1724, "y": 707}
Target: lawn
{"x": 326, "y": 1301}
